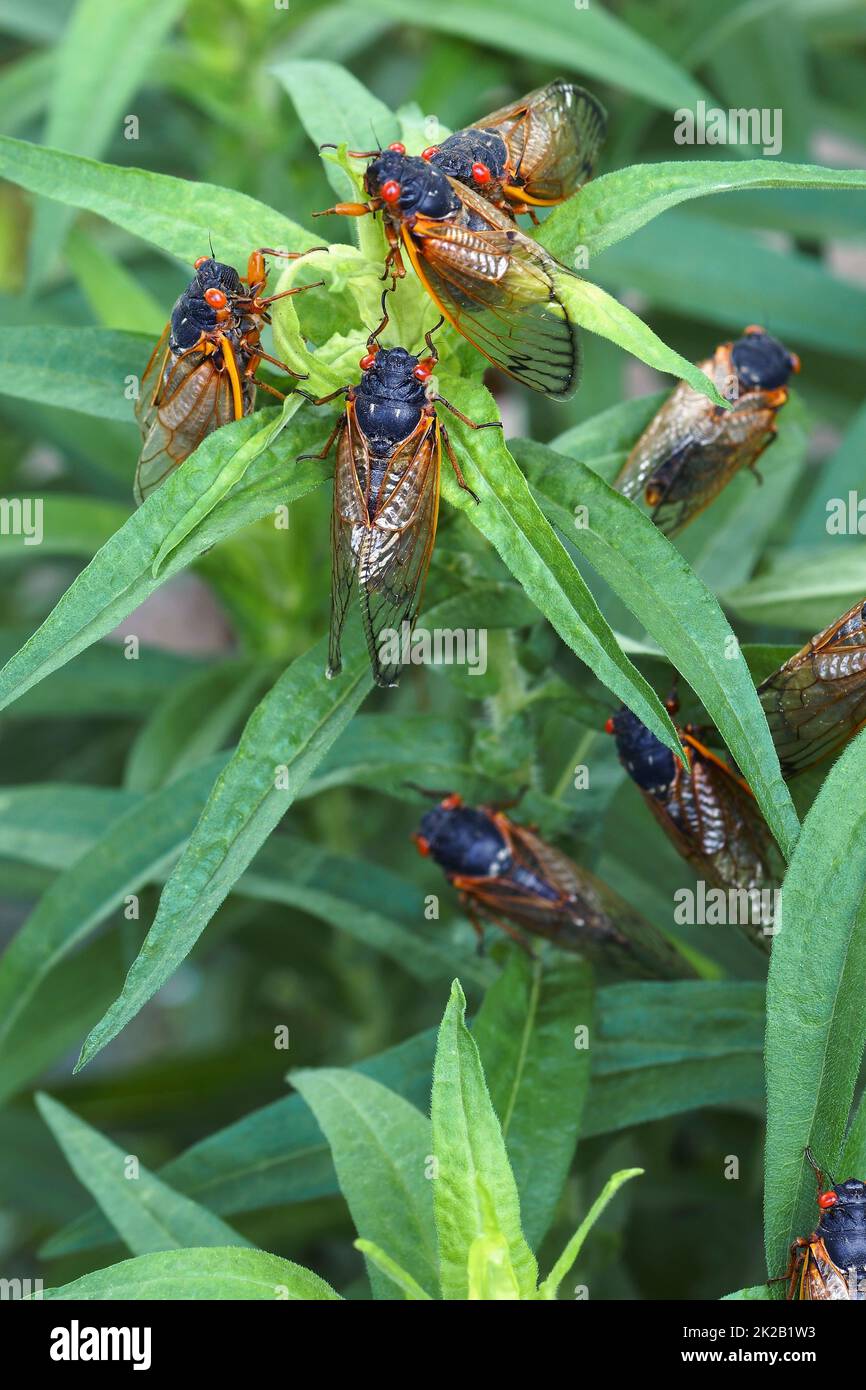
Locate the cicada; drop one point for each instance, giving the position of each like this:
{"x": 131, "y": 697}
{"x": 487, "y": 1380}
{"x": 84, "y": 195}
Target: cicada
{"x": 202, "y": 372}
{"x": 490, "y": 281}
{"x": 816, "y": 700}
{"x": 830, "y": 1264}
{"x": 691, "y": 449}
{"x": 708, "y": 812}
{"x": 534, "y": 153}
{"x": 506, "y": 873}
{"x": 386, "y": 497}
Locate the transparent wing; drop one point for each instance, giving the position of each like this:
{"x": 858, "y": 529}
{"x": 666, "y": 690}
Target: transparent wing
{"x": 499, "y": 290}
{"x": 691, "y": 449}
{"x": 553, "y": 137}
{"x": 816, "y": 701}
{"x": 190, "y": 398}
{"x": 384, "y": 526}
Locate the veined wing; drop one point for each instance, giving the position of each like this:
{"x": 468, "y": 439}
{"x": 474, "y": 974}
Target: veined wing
{"x": 499, "y": 290}
{"x": 816, "y": 701}
{"x": 553, "y": 137}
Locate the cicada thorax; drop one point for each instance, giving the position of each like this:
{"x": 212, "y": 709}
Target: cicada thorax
{"x": 830, "y": 1265}
{"x": 691, "y": 449}
{"x": 816, "y": 700}
{"x": 708, "y": 812}
{"x": 507, "y": 873}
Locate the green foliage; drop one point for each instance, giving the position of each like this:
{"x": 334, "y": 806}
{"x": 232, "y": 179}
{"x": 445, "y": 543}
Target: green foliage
{"x": 204, "y": 844}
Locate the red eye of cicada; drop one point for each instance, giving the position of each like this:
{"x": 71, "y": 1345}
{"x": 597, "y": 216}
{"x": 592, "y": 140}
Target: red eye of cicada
{"x": 827, "y": 1199}
{"x": 366, "y": 362}
{"x": 430, "y": 151}
{"x": 215, "y": 298}
{"x": 398, "y": 147}
{"x": 422, "y": 845}
{"x": 424, "y": 369}
{"x": 608, "y": 725}
{"x": 480, "y": 173}
{"x": 390, "y": 190}
{"x": 200, "y": 262}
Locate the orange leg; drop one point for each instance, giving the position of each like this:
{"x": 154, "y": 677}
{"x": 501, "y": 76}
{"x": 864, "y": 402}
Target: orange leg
{"x": 347, "y": 210}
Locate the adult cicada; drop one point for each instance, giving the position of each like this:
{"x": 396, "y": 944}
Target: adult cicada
{"x": 710, "y": 815}
{"x": 506, "y": 873}
{"x": 386, "y": 497}
{"x": 691, "y": 449}
{"x": 490, "y": 281}
{"x": 202, "y": 372}
{"x": 816, "y": 700}
{"x": 533, "y": 153}
{"x": 830, "y": 1264}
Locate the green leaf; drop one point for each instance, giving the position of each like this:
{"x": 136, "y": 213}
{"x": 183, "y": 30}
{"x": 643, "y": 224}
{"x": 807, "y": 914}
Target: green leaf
{"x": 686, "y": 259}
{"x": 662, "y": 1049}
{"x": 370, "y": 904}
{"x": 146, "y": 1213}
{"x": 592, "y": 308}
{"x": 114, "y": 294}
{"x": 82, "y": 369}
{"x": 274, "y": 1155}
{"x": 758, "y": 1293}
{"x": 119, "y": 578}
{"x": 616, "y": 205}
{"x": 69, "y": 526}
{"x": 842, "y": 472}
{"x": 816, "y": 1026}
{"x": 550, "y": 1286}
{"x": 381, "y": 1147}
{"x": 396, "y": 1274}
{"x": 59, "y": 1013}
{"x": 232, "y": 472}
{"x": 474, "y": 1186}
{"x": 194, "y": 721}
{"x": 100, "y": 682}
{"x": 588, "y": 40}
{"x": 852, "y": 1160}
{"x": 537, "y": 1072}
{"x": 286, "y": 736}
{"x": 334, "y": 107}
{"x": 231, "y": 1273}
{"x": 806, "y": 590}
{"x": 129, "y": 855}
{"x": 513, "y": 522}
{"x": 177, "y": 215}
{"x": 100, "y": 61}
{"x": 652, "y": 578}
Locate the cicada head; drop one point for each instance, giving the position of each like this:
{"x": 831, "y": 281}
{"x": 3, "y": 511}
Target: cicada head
{"x": 644, "y": 757}
{"x": 843, "y": 1223}
{"x": 206, "y": 303}
{"x": 463, "y": 840}
{"x": 409, "y": 186}
{"x": 762, "y": 362}
{"x": 476, "y": 158}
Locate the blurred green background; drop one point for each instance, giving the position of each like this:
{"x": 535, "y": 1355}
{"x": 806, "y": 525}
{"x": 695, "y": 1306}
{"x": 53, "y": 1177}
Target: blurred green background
{"x": 210, "y": 108}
